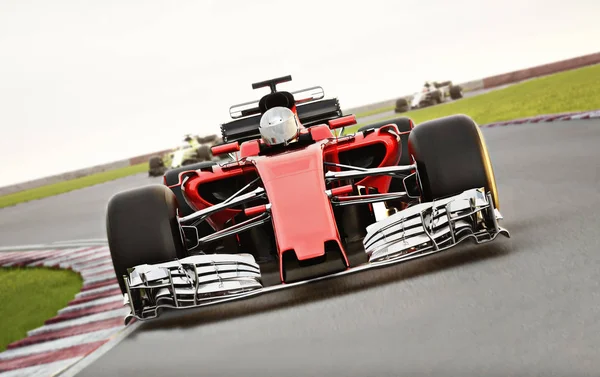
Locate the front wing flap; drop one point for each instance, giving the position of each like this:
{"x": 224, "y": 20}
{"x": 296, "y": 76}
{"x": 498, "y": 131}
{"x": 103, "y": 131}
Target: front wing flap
{"x": 434, "y": 225}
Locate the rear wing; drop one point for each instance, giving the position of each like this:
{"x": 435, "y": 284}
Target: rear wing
{"x": 301, "y": 96}
{"x": 309, "y": 113}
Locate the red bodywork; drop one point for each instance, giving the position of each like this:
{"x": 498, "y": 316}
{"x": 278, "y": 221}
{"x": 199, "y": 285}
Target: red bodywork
{"x": 301, "y": 211}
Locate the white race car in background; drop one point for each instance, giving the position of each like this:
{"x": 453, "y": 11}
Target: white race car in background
{"x": 431, "y": 94}
{"x": 193, "y": 150}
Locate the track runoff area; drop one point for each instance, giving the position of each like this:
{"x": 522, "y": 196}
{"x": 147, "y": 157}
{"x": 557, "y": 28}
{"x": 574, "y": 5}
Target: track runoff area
{"x": 75, "y": 340}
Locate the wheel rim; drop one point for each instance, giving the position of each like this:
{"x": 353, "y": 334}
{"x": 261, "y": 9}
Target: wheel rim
{"x": 489, "y": 171}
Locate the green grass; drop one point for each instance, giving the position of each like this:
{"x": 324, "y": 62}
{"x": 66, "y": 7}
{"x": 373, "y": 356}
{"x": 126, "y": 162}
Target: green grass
{"x": 29, "y": 296}
{"x": 74, "y": 184}
{"x": 575, "y": 90}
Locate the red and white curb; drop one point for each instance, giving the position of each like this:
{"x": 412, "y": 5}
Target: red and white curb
{"x": 90, "y": 324}
{"x": 593, "y": 114}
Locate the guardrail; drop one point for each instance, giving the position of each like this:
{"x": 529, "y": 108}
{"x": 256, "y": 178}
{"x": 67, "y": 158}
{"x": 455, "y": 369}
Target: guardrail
{"x": 485, "y": 83}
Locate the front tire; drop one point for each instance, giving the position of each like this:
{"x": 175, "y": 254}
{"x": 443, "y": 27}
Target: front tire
{"x": 451, "y": 157}
{"x": 142, "y": 228}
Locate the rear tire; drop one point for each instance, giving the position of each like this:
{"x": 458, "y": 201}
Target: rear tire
{"x": 451, "y": 157}
{"x": 142, "y": 228}
{"x": 456, "y": 92}
{"x": 156, "y": 166}
{"x": 155, "y": 162}
{"x": 203, "y": 152}
{"x": 207, "y": 139}
{"x": 402, "y": 106}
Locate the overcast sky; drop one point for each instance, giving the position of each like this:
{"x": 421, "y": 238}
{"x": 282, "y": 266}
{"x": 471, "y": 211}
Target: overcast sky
{"x": 88, "y": 82}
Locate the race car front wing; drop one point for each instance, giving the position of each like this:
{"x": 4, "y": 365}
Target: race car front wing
{"x": 415, "y": 232}
{"x": 434, "y": 226}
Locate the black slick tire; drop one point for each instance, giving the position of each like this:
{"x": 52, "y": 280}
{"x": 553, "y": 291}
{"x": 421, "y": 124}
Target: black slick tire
{"x": 204, "y": 153}
{"x": 142, "y": 228}
{"x": 456, "y": 92}
{"x": 451, "y": 157}
{"x": 402, "y": 106}
{"x": 155, "y": 162}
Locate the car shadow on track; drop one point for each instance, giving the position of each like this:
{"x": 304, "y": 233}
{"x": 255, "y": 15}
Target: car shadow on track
{"x": 335, "y": 287}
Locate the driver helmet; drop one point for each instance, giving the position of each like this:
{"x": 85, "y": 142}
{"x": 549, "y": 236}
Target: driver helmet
{"x": 279, "y": 125}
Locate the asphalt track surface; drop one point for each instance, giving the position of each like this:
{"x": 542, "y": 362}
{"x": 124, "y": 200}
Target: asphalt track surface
{"x": 74, "y": 215}
{"x": 528, "y": 305}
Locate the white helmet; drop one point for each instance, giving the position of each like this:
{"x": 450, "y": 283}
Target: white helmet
{"x": 279, "y": 125}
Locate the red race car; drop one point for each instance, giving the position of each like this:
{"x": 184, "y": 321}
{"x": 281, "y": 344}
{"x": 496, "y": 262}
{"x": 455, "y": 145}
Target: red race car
{"x": 298, "y": 202}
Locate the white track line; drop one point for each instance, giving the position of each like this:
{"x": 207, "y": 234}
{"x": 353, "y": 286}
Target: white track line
{"x": 102, "y": 241}
{"x": 121, "y": 312}
{"x": 95, "y": 355}
{"x": 54, "y": 345}
{"x": 23, "y": 248}
{"x": 56, "y": 245}
{"x": 591, "y": 114}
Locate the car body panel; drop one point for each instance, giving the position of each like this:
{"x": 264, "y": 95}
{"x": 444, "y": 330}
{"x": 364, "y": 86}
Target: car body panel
{"x": 249, "y": 163}
{"x": 303, "y": 219}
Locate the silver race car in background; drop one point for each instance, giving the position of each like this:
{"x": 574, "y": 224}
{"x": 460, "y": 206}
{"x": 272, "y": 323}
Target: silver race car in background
{"x": 432, "y": 93}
